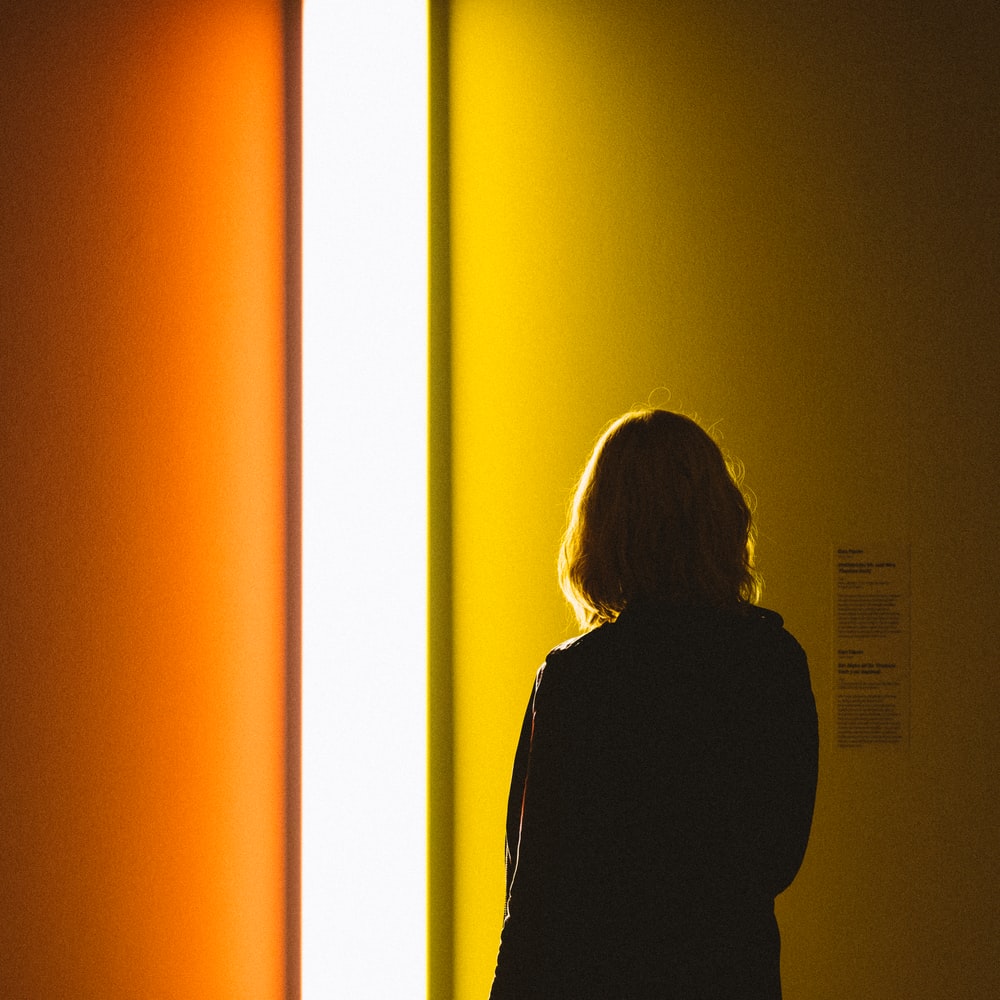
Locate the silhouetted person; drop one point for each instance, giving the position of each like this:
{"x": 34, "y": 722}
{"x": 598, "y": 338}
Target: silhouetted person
{"x": 664, "y": 780}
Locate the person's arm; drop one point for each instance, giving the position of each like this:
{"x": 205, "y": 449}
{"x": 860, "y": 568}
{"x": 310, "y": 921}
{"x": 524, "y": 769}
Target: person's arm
{"x": 515, "y": 798}
{"x": 528, "y": 960}
{"x": 778, "y": 776}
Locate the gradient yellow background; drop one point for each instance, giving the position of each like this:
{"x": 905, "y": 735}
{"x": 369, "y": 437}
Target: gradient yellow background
{"x": 783, "y": 218}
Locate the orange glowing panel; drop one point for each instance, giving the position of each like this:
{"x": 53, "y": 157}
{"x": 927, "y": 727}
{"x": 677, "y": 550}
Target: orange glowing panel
{"x": 143, "y": 409}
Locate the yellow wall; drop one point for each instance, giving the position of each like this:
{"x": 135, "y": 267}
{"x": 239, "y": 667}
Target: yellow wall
{"x": 783, "y": 218}
{"x": 143, "y": 464}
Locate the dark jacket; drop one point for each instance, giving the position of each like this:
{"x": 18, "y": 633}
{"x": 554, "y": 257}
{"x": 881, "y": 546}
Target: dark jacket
{"x": 662, "y": 795}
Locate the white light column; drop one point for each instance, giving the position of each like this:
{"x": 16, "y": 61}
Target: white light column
{"x": 364, "y": 499}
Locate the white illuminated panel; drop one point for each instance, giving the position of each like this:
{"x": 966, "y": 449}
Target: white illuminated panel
{"x": 364, "y": 500}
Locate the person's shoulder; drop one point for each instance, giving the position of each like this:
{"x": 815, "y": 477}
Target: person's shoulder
{"x": 772, "y": 648}
{"x": 766, "y": 624}
{"x": 581, "y": 647}
{"x": 579, "y": 656}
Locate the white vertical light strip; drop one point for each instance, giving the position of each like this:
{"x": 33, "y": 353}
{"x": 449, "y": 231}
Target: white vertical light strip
{"x": 364, "y": 499}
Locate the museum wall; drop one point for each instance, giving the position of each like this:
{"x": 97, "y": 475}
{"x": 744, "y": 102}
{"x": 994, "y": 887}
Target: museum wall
{"x": 781, "y": 218}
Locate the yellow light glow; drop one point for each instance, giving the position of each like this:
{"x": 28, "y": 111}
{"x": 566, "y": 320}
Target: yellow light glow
{"x": 364, "y": 499}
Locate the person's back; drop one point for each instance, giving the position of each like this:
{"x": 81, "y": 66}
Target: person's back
{"x": 665, "y": 775}
{"x": 668, "y": 800}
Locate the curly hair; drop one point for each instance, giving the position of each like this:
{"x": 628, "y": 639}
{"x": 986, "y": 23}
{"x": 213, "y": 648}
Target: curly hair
{"x": 658, "y": 514}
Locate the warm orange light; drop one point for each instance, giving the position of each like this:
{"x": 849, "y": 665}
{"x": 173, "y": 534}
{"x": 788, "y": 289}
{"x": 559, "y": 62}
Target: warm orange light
{"x": 143, "y": 513}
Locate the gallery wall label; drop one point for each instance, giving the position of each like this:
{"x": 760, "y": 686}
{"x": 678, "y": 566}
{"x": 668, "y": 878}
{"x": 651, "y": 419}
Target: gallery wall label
{"x": 871, "y": 594}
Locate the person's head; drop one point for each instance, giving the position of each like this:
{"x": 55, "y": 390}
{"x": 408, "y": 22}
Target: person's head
{"x": 657, "y": 515}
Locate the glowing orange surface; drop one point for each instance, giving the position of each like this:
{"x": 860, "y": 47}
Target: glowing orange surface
{"x": 142, "y": 430}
